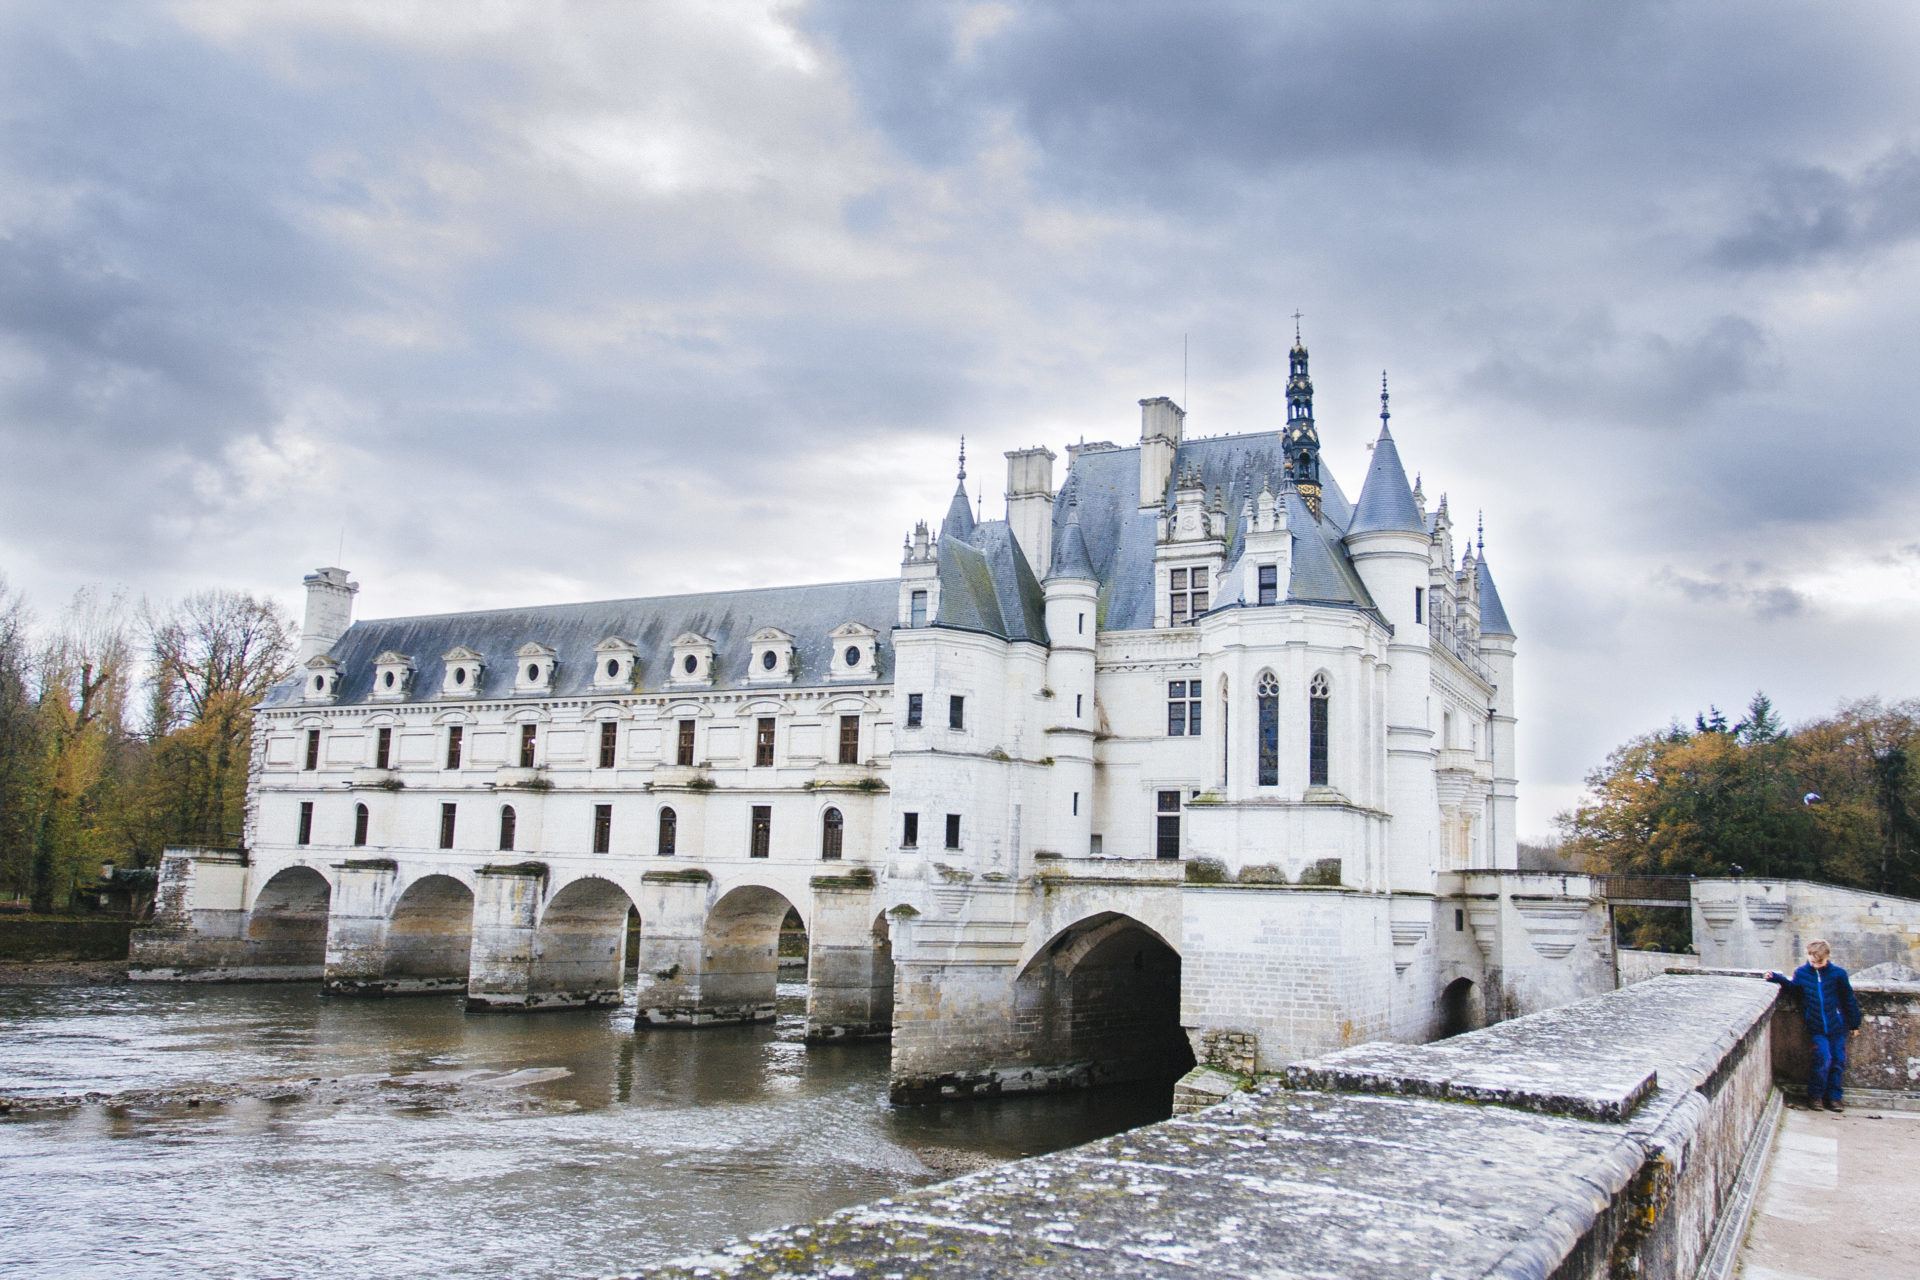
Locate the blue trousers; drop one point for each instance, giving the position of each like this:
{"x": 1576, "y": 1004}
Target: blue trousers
{"x": 1829, "y": 1064}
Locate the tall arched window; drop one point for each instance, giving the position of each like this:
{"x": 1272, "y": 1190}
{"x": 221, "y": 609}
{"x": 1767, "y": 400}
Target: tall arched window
{"x": 1226, "y": 739}
{"x": 830, "y": 829}
{"x": 509, "y": 822}
{"x": 669, "y": 832}
{"x": 1317, "y": 731}
{"x": 359, "y": 825}
{"x": 1269, "y": 699}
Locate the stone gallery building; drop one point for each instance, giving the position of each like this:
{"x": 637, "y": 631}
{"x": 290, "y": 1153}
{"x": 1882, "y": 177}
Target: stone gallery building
{"x": 1191, "y": 754}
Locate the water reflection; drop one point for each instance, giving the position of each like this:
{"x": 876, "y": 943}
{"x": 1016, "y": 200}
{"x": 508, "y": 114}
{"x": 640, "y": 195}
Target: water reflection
{"x": 256, "y": 1131}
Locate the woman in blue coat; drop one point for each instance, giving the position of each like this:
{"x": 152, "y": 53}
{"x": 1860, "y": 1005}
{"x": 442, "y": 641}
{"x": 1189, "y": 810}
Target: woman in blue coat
{"x": 1832, "y": 1015}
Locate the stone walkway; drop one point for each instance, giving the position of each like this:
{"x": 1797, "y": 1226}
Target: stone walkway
{"x": 1840, "y": 1199}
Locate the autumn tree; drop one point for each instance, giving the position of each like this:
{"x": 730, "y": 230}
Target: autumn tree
{"x": 84, "y": 677}
{"x": 22, "y": 759}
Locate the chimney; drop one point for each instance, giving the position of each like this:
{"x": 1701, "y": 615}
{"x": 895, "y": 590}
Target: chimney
{"x": 329, "y": 611}
{"x": 1161, "y": 424}
{"x": 1030, "y": 505}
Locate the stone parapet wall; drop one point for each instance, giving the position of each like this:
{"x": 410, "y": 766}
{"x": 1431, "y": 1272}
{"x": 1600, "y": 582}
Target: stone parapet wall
{"x": 1766, "y": 924}
{"x": 1884, "y": 1057}
{"x": 1638, "y": 966}
{"x": 1594, "y": 1140}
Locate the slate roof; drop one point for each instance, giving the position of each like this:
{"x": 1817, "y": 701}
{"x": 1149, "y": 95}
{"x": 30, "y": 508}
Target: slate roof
{"x": 727, "y": 618}
{"x": 1493, "y": 614}
{"x": 1072, "y": 560}
{"x": 1386, "y": 499}
{"x": 1119, "y": 537}
{"x": 987, "y": 585}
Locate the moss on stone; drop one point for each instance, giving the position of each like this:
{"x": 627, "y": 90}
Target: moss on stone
{"x": 1206, "y": 871}
{"x": 684, "y": 875}
{"x": 857, "y": 878}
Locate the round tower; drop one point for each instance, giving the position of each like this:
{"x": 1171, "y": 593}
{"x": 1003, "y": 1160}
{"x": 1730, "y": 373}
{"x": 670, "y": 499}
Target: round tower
{"x": 1072, "y": 596}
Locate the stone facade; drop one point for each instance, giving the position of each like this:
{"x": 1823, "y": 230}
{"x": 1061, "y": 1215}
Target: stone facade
{"x": 1766, "y": 924}
{"x": 988, "y": 788}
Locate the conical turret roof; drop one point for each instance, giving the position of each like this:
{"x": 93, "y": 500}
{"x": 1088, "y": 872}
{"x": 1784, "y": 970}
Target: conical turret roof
{"x": 1493, "y": 614}
{"x": 1072, "y": 560}
{"x": 1386, "y": 499}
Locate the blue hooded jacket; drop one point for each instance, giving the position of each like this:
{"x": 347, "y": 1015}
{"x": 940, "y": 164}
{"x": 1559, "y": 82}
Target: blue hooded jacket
{"x": 1827, "y": 1001}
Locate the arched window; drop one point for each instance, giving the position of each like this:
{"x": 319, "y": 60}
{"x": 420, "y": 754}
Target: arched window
{"x": 830, "y": 829}
{"x": 1226, "y": 739}
{"x": 1317, "y": 731}
{"x": 508, "y": 823}
{"x": 669, "y": 832}
{"x": 359, "y": 826}
{"x": 1269, "y": 701}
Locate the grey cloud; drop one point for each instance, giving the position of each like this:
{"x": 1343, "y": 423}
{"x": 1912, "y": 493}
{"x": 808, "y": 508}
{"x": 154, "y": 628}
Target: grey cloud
{"x": 1744, "y": 587}
{"x": 1805, "y": 214}
{"x": 1591, "y": 368}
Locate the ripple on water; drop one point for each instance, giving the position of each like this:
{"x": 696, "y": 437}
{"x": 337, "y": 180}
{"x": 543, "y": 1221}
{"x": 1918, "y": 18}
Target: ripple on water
{"x": 404, "y": 1137}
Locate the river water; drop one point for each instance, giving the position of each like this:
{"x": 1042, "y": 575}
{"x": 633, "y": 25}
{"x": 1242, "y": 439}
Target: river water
{"x": 265, "y": 1131}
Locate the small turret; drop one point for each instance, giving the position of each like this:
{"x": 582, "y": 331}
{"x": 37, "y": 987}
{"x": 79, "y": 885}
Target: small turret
{"x": 1300, "y": 441}
{"x": 1386, "y": 503}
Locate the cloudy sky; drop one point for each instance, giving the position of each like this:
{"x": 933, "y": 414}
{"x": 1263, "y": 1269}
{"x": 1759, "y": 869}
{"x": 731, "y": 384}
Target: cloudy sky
{"x": 505, "y": 303}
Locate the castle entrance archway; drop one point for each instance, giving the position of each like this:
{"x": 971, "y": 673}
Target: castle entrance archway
{"x": 1104, "y": 999}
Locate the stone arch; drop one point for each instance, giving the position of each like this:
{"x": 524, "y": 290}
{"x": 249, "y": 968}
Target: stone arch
{"x": 580, "y": 944}
{"x": 429, "y": 936}
{"x": 741, "y": 945}
{"x": 1102, "y": 999}
{"x": 287, "y": 923}
{"x": 1458, "y": 1011}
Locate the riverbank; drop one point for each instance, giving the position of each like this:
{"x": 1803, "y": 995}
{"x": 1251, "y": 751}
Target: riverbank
{"x": 62, "y": 973}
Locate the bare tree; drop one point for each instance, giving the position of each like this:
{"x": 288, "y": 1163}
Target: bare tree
{"x": 215, "y": 643}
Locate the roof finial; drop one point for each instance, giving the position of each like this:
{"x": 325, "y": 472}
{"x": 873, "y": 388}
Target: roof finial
{"x": 1296, "y": 328}
{"x": 1384, "y": 415}
{"x": 1482, "y": 533}
{"x": 963, "y": 457}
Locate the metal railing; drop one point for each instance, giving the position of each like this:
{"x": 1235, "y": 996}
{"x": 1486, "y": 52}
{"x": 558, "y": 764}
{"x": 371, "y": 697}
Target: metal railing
{"x": 1645, "y": 891}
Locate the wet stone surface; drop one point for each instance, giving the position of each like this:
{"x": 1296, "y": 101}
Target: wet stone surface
{"x": 1381, "y": 1183}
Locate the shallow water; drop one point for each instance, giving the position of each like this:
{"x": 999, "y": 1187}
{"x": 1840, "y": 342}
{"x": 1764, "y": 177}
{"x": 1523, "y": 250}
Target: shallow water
{"x": 265, "y": 1131}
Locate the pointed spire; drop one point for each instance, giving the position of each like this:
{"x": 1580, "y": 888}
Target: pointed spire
{"x": 1384, "y": 415}
{"x": 1481, "y": 535}
{"x": 959, "y": 522}
{"x": 1386, "y": 502}
{"x": 1419, "y": 492}
{"x": 1072, "y": 560}
{"x": 1493, "y": 614}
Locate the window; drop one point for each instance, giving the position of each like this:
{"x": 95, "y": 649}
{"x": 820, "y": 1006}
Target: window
{"x": 613, "y": 668}
{"x": 768, "y": 659}
{"x": 1188, "y": 599}
{"x": 1446, "y": 728}
{"x": 683, "y": 753}
{"x": 1183, "y": 708}
{"x": 609, "y": 741}
{"x": 313, "y": 749}
{"x": 383, "y": 749}
{"x": 446, "y": 826}
{"x": 953, "y": 831}
{"x": 509, "y": 826}
{"x": 690, "y": 663}
{"x": 763, "y": 743}
{"x": 454, "y": 735}
{"x": 306, "y": 822}
{"x": 1269, "y": 706}
{"x": 956, "y": 712}
{"x": 910, "y": 831}
{"x": 1076, "y": 804}
{"x": 1167, "y": 825}
{"x": 1080, "y": 626}
{"x": 1269, "y": 584}
{"x": 849, "y": 739}
{"x": 1317, "y": 732}
{"x": 914, "y": 701}
{"x": 1419, "y": 604}
{"x": 831, "y": 826}
{"x": 602, "y": 828}
{"x": 359, "y": 826}
{"x": 917, "y": 609}
{"x": 1459, "y": 919}
{"x": 1076, "y": 706}
{"x": 852, "y": 655}
{"x": 528, "y": 736}
{"x": 761, "y": 838}
{"x": 669, "y": 832}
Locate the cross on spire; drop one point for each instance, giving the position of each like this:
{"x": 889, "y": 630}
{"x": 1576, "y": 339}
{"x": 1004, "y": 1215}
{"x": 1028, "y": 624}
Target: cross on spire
{"x": 1296, "y": 327}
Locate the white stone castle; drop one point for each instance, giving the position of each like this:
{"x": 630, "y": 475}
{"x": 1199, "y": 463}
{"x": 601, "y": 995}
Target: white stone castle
{"x": 1191, "y": 756}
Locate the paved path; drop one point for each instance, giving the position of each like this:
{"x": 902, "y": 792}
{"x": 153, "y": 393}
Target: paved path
{"x": 1841, "y": 1199}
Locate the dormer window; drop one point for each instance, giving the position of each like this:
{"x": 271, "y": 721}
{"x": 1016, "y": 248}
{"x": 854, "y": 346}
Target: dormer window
{"x": 392, "y": 674}
{"x": 462, "y": 678}
{"x": 322, "y": 683}
{"x": 692, "y": 659}
{"x": 534, "y": 669}
{"x": 853, "y": 647}
{"x": 772, "y": 659}
{"x": 614, "y": 663}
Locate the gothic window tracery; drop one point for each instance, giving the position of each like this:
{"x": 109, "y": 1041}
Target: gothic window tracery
{"x": 1267, "y": 693}
{"x": 1317, "y": 731}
